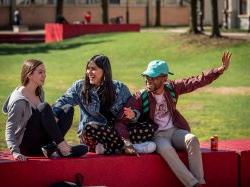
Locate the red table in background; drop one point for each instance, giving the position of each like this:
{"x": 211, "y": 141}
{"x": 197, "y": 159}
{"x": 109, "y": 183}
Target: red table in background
{"x": 55, "y": 32}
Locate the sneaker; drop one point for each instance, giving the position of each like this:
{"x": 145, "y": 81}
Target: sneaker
{"x": 49, "y": 150}
{"x": 76, "y": 151}
{"x": 99, "y": 149}
{"x": 145, "y": 147}
{"x": 129, "y": 148}
{"x": 55, "y": 155}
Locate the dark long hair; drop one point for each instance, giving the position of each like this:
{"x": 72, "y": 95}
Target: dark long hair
{"x": 106, "y": 90}
{"x": 28, "y": 68}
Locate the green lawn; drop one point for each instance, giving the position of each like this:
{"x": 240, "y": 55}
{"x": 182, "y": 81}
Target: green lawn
{"x": 226, "y": 114}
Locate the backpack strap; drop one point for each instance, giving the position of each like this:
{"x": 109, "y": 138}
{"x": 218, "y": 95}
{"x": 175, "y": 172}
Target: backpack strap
{"x": 145, "y": 97}
{"x": 170, "y": 88}
{"x": 145, "y": 100}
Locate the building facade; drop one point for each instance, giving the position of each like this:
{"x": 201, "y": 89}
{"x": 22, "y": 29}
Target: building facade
{"x": 38, "y": 12}
{"x": 232, "y": 13}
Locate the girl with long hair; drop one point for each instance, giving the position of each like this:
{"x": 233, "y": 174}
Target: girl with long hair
{"x": 31, "y": 128}
{"x": 101, "y": 100}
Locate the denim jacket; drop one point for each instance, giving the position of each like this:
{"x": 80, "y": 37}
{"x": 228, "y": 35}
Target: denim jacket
{"x": 90, "y": 112}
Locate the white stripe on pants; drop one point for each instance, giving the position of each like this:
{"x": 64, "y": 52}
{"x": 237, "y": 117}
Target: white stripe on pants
{"x": 169, "y": 140}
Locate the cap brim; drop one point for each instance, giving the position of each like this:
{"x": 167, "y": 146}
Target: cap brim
{"x": 150, "y": 74}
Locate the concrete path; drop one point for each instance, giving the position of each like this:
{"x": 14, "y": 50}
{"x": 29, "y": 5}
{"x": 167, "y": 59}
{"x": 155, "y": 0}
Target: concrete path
{"x": 234, "y": 35}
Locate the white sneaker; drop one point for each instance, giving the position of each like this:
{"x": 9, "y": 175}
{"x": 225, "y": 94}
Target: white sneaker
{"x": 99, "y": 149}
{"x": 145, "y": 147}
{"x": 55, "y": 155}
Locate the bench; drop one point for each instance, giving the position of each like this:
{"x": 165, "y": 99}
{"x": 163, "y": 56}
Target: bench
{"x": 20, "y": 28}
{"x": 149, "y": 170}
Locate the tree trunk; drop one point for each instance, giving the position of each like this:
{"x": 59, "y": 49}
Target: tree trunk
{"x": 201, "y": 15}
{"x": 59, "y": 8}
{"x": 180, "y": 2}
{"x": 127, "y": 12}
{"x": 215, "y": 19}
{"x": 158, "y": 13}
{"x": 12, "y": 9}
{"x": 225, "y": 14}
{"x": 193, "y": 21}
{"x": 147, "y": 13}
{"x": 105, "y": 16}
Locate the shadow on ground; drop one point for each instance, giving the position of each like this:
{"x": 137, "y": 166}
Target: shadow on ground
{"x": 11, "y": 49}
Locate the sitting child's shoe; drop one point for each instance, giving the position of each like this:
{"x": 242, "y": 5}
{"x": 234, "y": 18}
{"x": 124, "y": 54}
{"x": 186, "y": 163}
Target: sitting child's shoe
{"x": 50, "y": 150}
{"x": 128, "y": 147}
{"x": 145, "y": 147}
{"x": 75, "y": 151}
{"x": 99, "y": 149}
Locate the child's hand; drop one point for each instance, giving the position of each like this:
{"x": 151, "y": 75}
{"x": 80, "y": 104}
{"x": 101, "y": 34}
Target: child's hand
{"x": 19, "y": 157}
{"x": 128, "y": 113}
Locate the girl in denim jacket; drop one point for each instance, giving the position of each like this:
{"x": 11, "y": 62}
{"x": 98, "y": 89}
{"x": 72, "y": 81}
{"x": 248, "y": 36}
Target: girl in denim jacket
{"x": 101, "y": 101}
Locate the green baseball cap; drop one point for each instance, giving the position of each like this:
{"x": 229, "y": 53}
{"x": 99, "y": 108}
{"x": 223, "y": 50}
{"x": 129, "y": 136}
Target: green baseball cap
{"x": 157, "y": 68}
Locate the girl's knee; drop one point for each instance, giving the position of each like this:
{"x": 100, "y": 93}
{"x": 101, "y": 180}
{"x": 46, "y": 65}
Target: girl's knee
{"x": 44, "y": 107}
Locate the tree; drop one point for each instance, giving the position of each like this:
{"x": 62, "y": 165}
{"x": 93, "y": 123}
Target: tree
{"x": 127, "y": 11}
{"x": 225, "y": 12}
{"x": 215, "y": 19}
{"x": 158, "y": 13}
{"x": 12, "y": 9}
{"x": 59, "y": 8}
{"x": 180, "y": 2}
{"x": 193, "y": 23}
{"x": 147, "y": 13}
{"x": 201, "y": 14}
{"x": 105, "y": 16}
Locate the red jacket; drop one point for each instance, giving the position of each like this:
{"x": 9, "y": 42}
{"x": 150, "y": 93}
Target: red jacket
{"x": 180, "y": 86}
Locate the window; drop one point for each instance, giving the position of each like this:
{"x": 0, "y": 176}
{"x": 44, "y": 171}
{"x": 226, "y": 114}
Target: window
{"x": 243, "y": 6}
{"x": 4, "y": 2}
{"x": 114, "y": 1}
{"x": 92, "y": 1}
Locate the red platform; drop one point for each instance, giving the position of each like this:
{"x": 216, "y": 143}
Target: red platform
{"x": 29, "y": 37}
{"x": 242, "y": 147}
{"x": 244, "y": 168}
{"x": 221, "y": 169}
{"x": 58, "y": 32}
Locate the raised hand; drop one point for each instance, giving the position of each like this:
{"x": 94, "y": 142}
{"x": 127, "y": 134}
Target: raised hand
{"x": 225, "y": 61}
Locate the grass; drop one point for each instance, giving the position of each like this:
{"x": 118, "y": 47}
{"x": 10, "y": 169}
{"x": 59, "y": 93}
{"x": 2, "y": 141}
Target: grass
{"x": 208, "y": 113}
